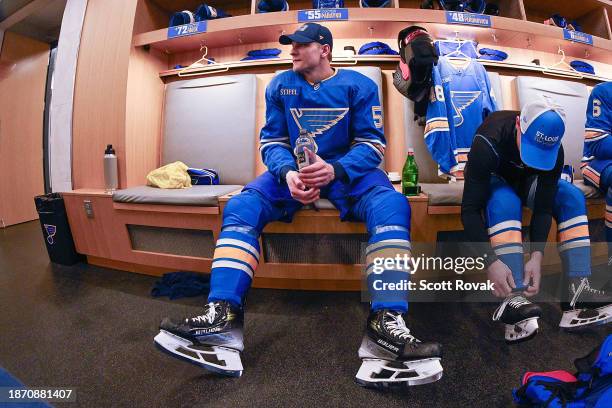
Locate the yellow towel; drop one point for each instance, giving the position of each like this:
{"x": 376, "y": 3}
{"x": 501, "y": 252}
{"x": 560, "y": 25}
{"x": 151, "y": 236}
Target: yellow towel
{"x": 173, "y": 175}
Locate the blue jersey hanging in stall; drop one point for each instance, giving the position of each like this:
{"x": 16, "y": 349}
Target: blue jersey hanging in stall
{"x": 461, "y": 97}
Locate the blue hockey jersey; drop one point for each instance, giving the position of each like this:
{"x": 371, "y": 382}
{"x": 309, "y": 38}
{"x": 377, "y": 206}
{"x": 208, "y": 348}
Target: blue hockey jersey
{"x": 599, "y": 117}
{"x": 342, "y": 112}
{"x": 461, "y": 97}
{"x": 598, "y": 127}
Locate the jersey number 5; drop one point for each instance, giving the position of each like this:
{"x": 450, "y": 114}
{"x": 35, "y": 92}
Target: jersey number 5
{"x": 377, "y": 116}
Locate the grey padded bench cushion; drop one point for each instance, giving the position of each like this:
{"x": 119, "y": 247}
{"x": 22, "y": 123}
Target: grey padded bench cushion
{"x": 443, "y": 194}
{"x": 324, "y": 204}
{"x": 452, "y": 193}
{"x": 206, "y": 196}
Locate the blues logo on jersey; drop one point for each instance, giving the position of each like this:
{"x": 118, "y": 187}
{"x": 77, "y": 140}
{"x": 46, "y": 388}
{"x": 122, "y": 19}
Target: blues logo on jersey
{"x": 317, "y": 120}
{"x": 460, "y": 96}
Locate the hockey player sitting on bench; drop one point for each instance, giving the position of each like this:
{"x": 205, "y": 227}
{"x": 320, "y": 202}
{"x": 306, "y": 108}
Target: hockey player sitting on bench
{"x": 597, "y": 160}
{"x": 516, "y": 160}
{"x": 341, "y": 109}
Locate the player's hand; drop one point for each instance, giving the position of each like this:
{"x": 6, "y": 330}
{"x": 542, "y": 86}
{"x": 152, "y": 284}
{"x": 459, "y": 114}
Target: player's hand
{"x": 318, "y": 174}
{"x": 299, "y": 191}
{"x": 501, "y": 277}
{"x": 533, "y": 274}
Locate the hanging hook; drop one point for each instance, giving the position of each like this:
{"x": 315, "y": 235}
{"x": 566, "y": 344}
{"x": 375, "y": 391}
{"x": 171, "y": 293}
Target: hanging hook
{"x": 528, "y": 42}
{"x": 371, "y": 29}
{"x": 494, "y": 38}
{"x": 586, "y": 54}
{"x": 240, "y": 38}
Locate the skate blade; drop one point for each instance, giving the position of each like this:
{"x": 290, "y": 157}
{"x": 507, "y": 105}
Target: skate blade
{"x": 571, "y": 319}
{"x": 220, "y": 360}
{"x": 382, "y": 374}
{"x": 521, "y": 331}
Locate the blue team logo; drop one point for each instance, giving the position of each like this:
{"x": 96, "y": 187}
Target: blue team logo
{"x": 462, "y": 100}
{"x": 318, "y": 120}
{"x": 50, "y": 230}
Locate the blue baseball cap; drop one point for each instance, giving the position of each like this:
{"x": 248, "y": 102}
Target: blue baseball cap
{"x": 308, "y": 33}
{"x": 542, "y": 126}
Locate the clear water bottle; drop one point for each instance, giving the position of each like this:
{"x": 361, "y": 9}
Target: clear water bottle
{"x": 410, "y": 175}
{"x": 304, "y": 140}
{"x": 111, "y": 181}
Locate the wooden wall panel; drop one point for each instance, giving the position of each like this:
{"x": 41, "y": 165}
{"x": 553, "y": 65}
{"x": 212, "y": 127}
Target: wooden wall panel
{"x": 144, "y": 112}
{"x": 149, "y": 17}
{"x": 101, "y": 90}
{"x": 22, "y": 102}
{"x": 393, "y": 103}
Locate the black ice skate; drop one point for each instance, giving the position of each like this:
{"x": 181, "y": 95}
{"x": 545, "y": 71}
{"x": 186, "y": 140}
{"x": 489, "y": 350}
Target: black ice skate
{"x": 586, "y": 306}
{"x": 520, "y": 317}
{"x": 212, "y": 340}
{"x": 391, "y": 355}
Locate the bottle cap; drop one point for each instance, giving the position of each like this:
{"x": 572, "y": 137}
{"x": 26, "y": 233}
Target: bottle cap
{"x": 410, "y": 150}
{"x": 109, "y": 149}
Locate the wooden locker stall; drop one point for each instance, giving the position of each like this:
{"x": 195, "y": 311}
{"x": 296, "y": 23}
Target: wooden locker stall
{"x": 24, "y": 62}
{"x": 129, "y": 60}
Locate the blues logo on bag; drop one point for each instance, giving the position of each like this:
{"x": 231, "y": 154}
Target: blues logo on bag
{"x": 203, "y": 177}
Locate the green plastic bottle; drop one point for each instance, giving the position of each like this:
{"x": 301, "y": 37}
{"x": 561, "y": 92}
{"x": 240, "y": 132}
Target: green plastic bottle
{"x": 410, "y": 175}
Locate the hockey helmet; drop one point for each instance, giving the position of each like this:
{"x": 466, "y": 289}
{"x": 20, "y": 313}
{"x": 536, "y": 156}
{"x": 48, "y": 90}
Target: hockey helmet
{"x": 268, "y": 6}
{"x": 181, "y": 17}
{"x": 319, "y": 4}
{"x": 469, "y": 6}
{"x": 374, "y": 3}
{"x": 412, "y": 78}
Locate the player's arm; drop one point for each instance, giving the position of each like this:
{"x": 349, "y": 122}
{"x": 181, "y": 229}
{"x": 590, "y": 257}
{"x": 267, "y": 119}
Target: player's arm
{"x": 366, "y": 132}
{"x": 274, "y": 142}
{"x": 597, "y": 125}
{"x": 482, "y": 161}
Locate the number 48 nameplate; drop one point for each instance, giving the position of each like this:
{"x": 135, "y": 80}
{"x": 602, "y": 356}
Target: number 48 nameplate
{"x": 187, "y": 29}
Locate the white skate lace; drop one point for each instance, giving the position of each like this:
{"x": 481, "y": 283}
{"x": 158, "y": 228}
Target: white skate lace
{"x": 512, "y": 301}
{"x": 209, "y": 316}
{"x": 397, "y": 327}
{"x": 584, "y": 286}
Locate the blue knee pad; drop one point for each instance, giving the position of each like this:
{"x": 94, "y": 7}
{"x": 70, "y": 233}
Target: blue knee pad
{"x": 382, "y": 206}
{"x": 250, "y": 209}
{"x": 573, "y": 237}
{"x": 602, "y": 149}
{"x": 504, "y": 217}
{"x": 387, "y": 216}
{"x": 237, "y": 249}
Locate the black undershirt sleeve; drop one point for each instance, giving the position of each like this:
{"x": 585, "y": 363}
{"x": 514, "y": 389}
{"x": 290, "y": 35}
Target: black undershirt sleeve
{"x": 482, "y": 161}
